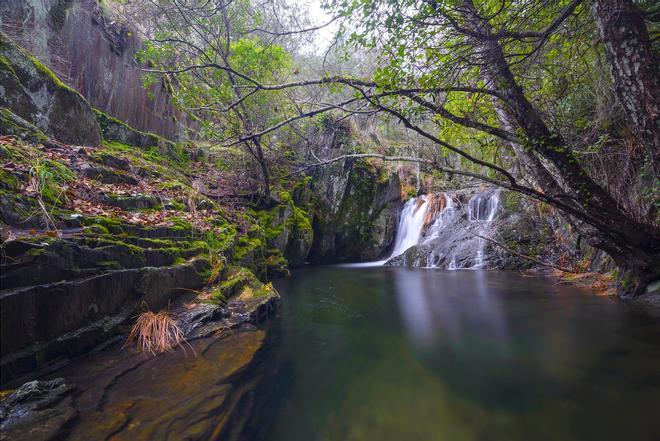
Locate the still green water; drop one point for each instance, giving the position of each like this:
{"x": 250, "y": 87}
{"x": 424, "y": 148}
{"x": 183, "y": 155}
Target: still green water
{"x": 405, "y": 354}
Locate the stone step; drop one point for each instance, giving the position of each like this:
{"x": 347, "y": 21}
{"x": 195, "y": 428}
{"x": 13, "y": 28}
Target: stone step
{"x": 132, "y": 202}
{"x": 28, "y": 263}
{"x": 40, "y": 322}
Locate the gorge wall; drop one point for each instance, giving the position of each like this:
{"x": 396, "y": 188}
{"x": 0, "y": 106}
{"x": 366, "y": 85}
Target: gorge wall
{"x": 92, "y": 53}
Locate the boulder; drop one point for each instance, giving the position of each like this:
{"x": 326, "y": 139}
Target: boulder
{"x": 357, "y": 211}
{"x": 116, "y": 130}
{"x": 11, "y": 124}
{"x": 34, "y": 93}
{"x": 38, "y": 410}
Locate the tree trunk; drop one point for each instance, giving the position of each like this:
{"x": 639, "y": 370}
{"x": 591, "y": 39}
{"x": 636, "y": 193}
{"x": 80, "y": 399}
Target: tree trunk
{"x": 636, "y": 271}
{"x": 633, "y": 245}
{"x": 263, "y": 165}
{"x": 634, "y": 70}
{"x": 528, "y": 160}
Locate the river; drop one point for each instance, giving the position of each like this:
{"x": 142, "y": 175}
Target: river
{"x": 391, "y": 353}
{"x": 414, "y": 354}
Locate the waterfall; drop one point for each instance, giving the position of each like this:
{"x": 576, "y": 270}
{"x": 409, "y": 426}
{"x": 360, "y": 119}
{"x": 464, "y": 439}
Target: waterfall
{"x": 449, "y": 242}
{"x": 410, "y": 225}
{"x": 435, "y": 228}
{"x": 481, "y": 211}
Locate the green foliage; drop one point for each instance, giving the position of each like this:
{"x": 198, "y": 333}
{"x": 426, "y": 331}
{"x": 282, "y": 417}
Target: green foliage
{"x": 47, "y": 177}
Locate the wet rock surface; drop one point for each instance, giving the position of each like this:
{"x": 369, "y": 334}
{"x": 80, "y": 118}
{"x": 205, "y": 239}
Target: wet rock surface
{"x": 205, "y": 319}
{"x": 38, "y": 410}
{"x": 129, "y": 395}
{"x": 35, "y": 94}
{"x": 124, "y": 395}
{"x": 61, "y": 297}
{"x": 458, "y": 236}
{"x": 357, "y": 212}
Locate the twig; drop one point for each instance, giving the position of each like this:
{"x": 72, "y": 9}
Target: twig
{"x": 532, "y": 259}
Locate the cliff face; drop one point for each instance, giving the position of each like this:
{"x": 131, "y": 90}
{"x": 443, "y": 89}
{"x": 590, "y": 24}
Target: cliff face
{"x": 357, "y": 212}
{"x": 34, "y": 94}
{"x": 94, "y": 55}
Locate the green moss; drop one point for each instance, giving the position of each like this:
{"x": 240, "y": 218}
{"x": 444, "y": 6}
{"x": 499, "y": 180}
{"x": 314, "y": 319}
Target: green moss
{"x": 246, "y": 245}
{"x": 173, "y": 185}
{"x": 276, "y": 263}
{"x": 263, "y": 291}
{"x": 104, "y": 118}
{"x": 11, "y": 124}
{"x": 178, "y": 206}
{"x": 285, "y": 197}
{"x": 511, "y": 200}
{"x": 217, "y": 296}
{"x": 118, "y": 146}
{"x": 6, "y": 66}
{"x": 221, "y": 239}
{"x": 109, "y": 224}
{"x": 302, "y": 183}
{"x": 179, "y": 224}
{"x": 383, "y": 175}
{"x": 34, "y": 252}
{"x": 51, "y": 176}
{"x": 301, "y": 220}
{"x": 8, "y": 181}
{"x": 129, "y": 248}
{"x": 98, "y": 229}
{"x": 237, "y": 279}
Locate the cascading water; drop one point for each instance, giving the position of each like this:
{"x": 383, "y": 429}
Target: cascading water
{"x": 434, "y": 229}
{"x": 411, "y": 225}
{"x": 451, "y": 240}
{"x": 481, "y": 211}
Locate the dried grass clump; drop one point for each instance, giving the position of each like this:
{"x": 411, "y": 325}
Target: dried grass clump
{"x": 155, "y": 333}
{"x": 436, "y": 203}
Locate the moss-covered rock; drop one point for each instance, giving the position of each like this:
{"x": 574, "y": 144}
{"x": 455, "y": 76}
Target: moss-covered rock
{"x": 356, "y": 212}
{"x": 132, "y": 202}
{"x": 11, "y": 124}
{"x": 287, "y": 228}
{"x": 33, "y": 92}
{"x": 116, "y": 130}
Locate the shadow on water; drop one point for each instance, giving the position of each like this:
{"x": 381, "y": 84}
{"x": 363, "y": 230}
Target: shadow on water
{"x": 397, "y": 353}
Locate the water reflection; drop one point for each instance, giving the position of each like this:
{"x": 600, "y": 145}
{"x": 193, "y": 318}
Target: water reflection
{"x": 437, "y": 307}
{"x": 413, "y": 354}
